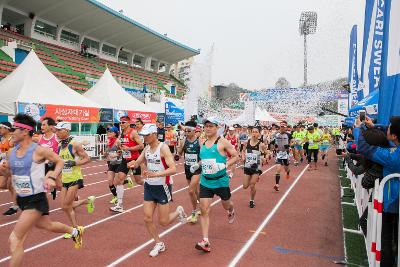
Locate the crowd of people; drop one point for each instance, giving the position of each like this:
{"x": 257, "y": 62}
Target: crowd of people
{"x": 51, "y": 161}
{"x": 373, "y": 153}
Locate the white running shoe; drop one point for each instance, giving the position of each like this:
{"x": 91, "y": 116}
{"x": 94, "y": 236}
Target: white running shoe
{"x": 117, "y": 208}
{"x": 159, "y": 247}
{"x": 182, "y": 215}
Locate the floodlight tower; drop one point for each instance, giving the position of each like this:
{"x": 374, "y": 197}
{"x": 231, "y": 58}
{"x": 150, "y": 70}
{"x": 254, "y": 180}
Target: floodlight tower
{"x": 307, "y": 25}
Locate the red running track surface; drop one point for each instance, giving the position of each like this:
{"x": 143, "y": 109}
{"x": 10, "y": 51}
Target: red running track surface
{"x": 305, "y": 230}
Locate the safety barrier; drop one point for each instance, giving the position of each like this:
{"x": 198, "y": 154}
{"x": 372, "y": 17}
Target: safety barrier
{"x": 375, "y": 208}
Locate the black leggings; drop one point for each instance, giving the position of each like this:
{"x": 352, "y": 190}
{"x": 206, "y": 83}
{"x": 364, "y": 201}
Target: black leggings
{"x": 312, "y": 152}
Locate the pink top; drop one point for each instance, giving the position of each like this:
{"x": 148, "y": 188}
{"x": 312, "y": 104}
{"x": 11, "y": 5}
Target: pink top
{"x": 51, "y": 143}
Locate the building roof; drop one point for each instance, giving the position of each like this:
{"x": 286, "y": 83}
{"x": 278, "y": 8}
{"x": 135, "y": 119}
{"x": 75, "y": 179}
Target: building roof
{"x": 94, "y": 19}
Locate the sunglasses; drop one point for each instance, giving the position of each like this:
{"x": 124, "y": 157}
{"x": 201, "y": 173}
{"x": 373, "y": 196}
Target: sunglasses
{"x": 123, "y": 122}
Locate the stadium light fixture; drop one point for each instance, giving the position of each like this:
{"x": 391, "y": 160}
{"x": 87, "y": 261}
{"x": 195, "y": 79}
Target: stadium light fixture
{"x": 307, "y": 25}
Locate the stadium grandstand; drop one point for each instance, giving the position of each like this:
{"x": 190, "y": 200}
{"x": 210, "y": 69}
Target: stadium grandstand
{"x": 78, "y": 39}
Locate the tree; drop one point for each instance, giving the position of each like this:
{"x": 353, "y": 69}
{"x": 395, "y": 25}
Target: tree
{"x": 282, "y": 82}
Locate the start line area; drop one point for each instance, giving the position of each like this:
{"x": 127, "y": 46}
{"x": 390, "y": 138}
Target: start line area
{"x": 299, "y": 226}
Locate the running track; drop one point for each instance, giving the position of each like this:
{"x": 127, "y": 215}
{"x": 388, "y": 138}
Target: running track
{"x": 299, "y": 226}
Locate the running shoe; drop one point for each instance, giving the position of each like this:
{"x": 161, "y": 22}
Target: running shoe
{"x": 193, "y": 217}
{"x": 159, "y": 247}
{"x": 130, "y": 182}
{"x": 301, "y": 160}
{"x": 288, "y": 175}
{"x": 90, "y": 204}
{"x": 67, "y": 236}
{"x": 204, "y": 246}
{"x": 252, "y": 204}
{"x": 11, "y": 211}
{"x": 326, "y": 163}
{"x": 78, "y": 239}
{"x": 276, "y": 187}
{"x": 296, "y": 163}
{"x": 231, "y": 216}
{"x": 323, "y": 157}
{"x": 117, "y": 208}
{"x": 114, "y": 200}
{"x": 230, "y": 176}
{"x": 181, "y": 214}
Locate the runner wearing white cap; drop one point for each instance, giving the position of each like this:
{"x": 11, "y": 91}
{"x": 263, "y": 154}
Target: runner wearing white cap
{"x": 74, "y": 156}
{"x": 157, "y": 195}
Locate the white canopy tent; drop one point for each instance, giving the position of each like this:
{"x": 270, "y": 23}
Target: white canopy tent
{"x": 109, "y": 94}
{"x": 32, "y": 82}
{"x": 263, "y": 115}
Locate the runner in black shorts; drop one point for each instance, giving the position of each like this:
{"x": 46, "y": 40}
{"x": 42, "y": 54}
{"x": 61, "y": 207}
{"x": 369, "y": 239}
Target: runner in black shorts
{"x": 282, "y": 153}
{"x": 252, "y": 154}
{"x": 29, "y": 183}
{"x": 190, "y": 147}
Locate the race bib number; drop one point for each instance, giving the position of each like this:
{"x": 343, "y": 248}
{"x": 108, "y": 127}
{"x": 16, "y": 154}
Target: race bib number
{"x": 325, "y": 142}
{"x": 191, "y": 159}
{"x": 67, "y": 170}
{"x": 167, "y": 142}
{"x": 209, "y": 166}
{"x": 113, "y": 156}
{"x": 310, "y": 142}
{"x": 251, "y": 158}
{"x": 126, "y": 154}
{"x": 298, "y": 141}
{"x": 282, "y": 155}
{"x": 160, "y": 137}
{"x": 22, "y": 185}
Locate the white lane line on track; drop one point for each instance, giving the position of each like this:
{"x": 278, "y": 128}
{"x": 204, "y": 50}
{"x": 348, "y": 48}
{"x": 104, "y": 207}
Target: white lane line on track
{"x": 97, "y": 197}
{"x": 139, "y": 248}
{"x": 101, "y": 221}
{"x": 86, "y": 227}
{"x": 249, "y": 242}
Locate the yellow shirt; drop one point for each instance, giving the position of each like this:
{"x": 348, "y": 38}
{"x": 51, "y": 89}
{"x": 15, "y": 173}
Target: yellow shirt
{"x": 69, "y": 174}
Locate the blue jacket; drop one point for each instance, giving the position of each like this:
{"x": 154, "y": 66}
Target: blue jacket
{"x": 389, "y": 158}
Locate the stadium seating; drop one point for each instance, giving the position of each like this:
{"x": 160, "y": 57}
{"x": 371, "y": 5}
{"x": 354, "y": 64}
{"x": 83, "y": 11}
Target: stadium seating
{"x": 76, "y": 70}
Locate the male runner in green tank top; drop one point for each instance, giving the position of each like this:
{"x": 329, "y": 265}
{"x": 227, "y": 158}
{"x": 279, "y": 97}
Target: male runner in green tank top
{"x": 214, "y": 179}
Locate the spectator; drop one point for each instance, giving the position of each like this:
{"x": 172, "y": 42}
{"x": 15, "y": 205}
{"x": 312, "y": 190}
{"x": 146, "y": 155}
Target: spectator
{"x": 160, "y": 131}
{"x": 389, "y": 158}
{"x": 101, "y": 130}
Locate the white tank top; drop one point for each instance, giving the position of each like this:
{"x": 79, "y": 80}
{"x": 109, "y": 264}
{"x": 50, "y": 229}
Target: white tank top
{"x": 155, "y": 163}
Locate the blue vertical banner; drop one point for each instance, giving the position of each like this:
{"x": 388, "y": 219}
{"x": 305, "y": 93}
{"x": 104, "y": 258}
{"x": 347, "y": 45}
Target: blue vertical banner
{"x": 355, "y": 93}
{"x": 369, "y": 22}
{"x": 389, "y": 86}
{"x": 173, "y": 114}
{"x": 373, "y": 45}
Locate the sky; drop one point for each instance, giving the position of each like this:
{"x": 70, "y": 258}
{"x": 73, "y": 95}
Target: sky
{"x": 256, "y": 41}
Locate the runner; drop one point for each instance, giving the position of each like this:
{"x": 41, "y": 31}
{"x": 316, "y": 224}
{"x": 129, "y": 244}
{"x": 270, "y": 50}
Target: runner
{"x": 160, "y": 131}
{"x": 324, "y": 147}
{"x": 233, "y": 139}
{"x": 160, "y": 166}
{"x": 243, "y": 137}
{"x": 298, "y": 141}
{"x": 313, "y": 139}
{"x": 114, "y": 158}
{"x": 214, "y": 179}
{"x": 255, "y": 148}
{"x": 170, "y": 138}
{"x": 130, "y": 144}
{"x": 73, "y": 155}
{"x": 49, "y": 139}
{"x": 25, "y": 166}
{"x": 190, "y": 147}
{"x": 282, "y": 153}
{"x": 5, "y": 145}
